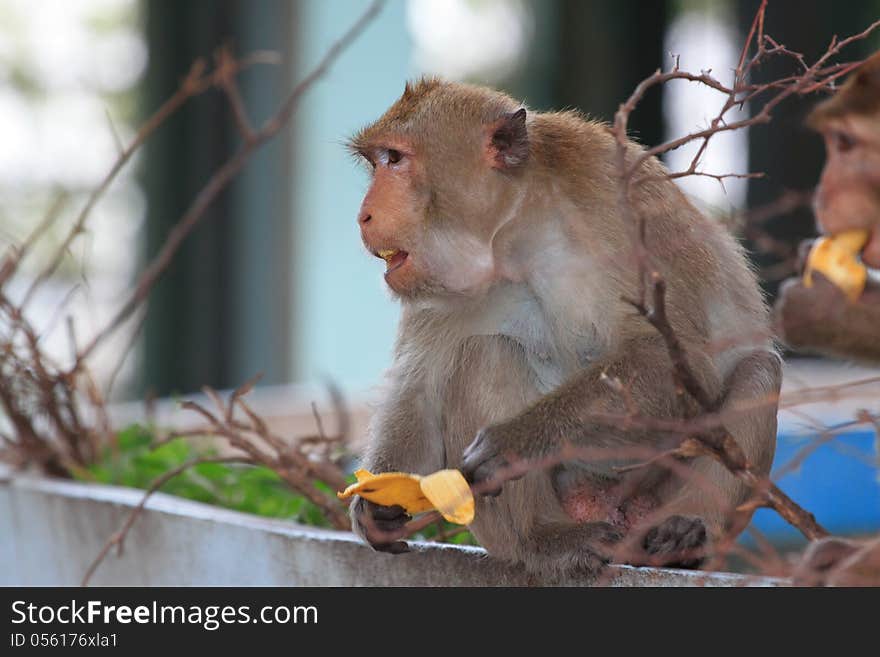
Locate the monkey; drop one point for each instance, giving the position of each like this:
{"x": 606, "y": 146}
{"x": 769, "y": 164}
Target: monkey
{"x": 506, "y": 246}
{"x": 847, "y": 197}
{"x": 820, "y": 318}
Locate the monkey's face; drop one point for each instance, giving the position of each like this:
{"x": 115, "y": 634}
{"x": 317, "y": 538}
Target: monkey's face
{"x": 415, "y": 224}
{"x": 848, "y": 195}
{"x": 445, "y": 160}
{"x": 392, "y": 212}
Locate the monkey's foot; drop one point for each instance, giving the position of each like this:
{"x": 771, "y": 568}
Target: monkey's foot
{"x": 559, "y": 551}
{"x": 677, "y": 542}
{"x": 836, "y": 561}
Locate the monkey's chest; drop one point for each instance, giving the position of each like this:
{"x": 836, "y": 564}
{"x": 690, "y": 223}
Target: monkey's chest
{"x": 551, "y": 349}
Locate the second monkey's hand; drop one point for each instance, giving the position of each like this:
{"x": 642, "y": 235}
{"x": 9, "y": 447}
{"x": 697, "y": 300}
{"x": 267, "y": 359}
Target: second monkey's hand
{"x": 492, "y": 459}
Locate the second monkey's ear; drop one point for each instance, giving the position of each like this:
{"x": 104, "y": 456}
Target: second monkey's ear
{"x": 509, "y": 140}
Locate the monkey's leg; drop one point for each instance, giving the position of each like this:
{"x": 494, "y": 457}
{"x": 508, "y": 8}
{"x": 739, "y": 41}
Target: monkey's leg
{"x": 402, "y": 439}
{"x": 590, "y": 491}
{"x": 700, "y": 502}
{"x": 644, "y": 369}
{"x": 560, "y": 549}
{"x": 576, "y": 412}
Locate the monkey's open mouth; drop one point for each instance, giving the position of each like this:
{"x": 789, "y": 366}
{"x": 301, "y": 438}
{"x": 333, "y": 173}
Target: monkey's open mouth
{"x": 394, "y": 258}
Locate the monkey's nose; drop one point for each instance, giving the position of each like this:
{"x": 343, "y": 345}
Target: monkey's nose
{"x": 364, "y": 218}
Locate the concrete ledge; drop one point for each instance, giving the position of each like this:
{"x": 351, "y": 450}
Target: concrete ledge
{"x": 50, "y": 530}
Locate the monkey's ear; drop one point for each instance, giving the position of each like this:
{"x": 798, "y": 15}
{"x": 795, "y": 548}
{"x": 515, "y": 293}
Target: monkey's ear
{"x": 869, "y": 77}
{"x": 509, "y": 140}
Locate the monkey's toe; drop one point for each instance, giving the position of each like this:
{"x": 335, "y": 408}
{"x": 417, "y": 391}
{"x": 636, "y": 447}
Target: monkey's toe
{"x": 820, "y": 558}
{"x": 676, "y": 542}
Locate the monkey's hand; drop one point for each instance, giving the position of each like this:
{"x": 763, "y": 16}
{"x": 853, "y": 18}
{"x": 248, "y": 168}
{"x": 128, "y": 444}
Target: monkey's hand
{"x": 368, "y": 517}
{"x": 821, "y": 318}
{"x": 493, "y": 459}
{"x": 677, "y": 542}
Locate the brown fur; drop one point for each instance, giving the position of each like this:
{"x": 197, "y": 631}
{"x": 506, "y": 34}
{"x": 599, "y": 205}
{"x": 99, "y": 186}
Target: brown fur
{"x": 512, "y": 310}
{"x": 859, "y": 95}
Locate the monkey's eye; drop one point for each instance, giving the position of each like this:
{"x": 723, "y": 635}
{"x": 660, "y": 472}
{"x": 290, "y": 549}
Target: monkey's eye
{"x": 843, "y": 142}
{"x": 390, "y": 156}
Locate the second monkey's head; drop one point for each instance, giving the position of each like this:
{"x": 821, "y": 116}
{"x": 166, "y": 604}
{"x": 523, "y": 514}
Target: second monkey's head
{"x": 447, "y": 162}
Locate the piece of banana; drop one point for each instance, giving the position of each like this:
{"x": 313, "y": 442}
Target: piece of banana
{"x": 835, "y": 257}
{"x": 445, "y": 490}
{"x": 451, "y": 494}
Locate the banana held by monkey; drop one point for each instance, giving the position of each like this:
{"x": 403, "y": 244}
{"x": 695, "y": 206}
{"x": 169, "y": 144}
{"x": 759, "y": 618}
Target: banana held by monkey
{"x": 445, "y": 490}
{"x": 835, "y": 257}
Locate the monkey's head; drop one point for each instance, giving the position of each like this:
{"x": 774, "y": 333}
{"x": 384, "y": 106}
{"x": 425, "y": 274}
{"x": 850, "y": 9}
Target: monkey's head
{"x": 848, "y": 195}
{"x": 446, "y": 162}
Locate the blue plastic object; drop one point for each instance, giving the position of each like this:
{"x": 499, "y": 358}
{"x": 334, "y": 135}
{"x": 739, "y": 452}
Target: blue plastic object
{"x": 839, "y": 483}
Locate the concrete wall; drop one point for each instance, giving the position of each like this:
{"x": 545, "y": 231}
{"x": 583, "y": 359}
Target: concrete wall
{"x": 50, "y": 531}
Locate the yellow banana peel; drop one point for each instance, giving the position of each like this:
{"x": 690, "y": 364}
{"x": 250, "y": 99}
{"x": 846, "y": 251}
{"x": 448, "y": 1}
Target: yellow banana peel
{"x": 451, "y": 494}
{"x": 835, "y": 257}
{"x": 445, "y": 490}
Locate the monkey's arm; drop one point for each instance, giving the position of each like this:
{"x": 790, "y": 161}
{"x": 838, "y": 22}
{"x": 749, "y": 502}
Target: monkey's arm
{"x": 568, "y": 414}
{"x": 695, "y": 506}
{"x": 400, "y": 441}
{"x": 820, "y": 318}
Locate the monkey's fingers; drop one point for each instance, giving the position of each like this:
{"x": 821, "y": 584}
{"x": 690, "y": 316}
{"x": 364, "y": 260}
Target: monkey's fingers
{"x": 485, "y": 480}
{"x": 397, "y": 547}
{"x": 484, "y": 462}
{"x": 376, "y": 540}
{"x": 385, "y": 518}
{"x": 871, "y": 253}
{"x": 483, "y": 477}
{"x": 803, "y": 253}
{"x": 372, "y": 521}
{"x": 388, "y": 513}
